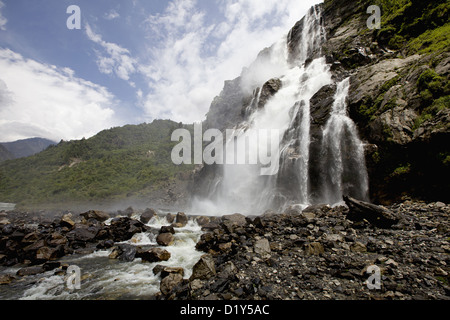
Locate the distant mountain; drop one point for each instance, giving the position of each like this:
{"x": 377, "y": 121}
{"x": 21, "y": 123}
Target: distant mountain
{"x": 5, "y": 154}
{"x": 131, "y": 164}
{"x": 26, "y": 148}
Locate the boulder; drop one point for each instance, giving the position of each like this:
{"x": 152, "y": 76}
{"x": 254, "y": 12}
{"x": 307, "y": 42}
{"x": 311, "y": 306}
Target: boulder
{"x": 165, "y": 239}
{"x": 148, "y": 215}
{"x": 96, "y": 215}
{"x": 204, "y": 268}
{"x": 82, "y": 233}
{"x": 46, "y": 253}
{"x": 231, "y": 222}
{"x": 376, "y": 215}
{"x": 166, "y": 271}
{"x": 30, "y": 271}
{"x": 153, "y": 255}
{"x": 202, "y": 221}
{"x": 167, "y": 229}
{"x": 170, "y": 282}
{"x": 123, "y": 229}
{"x": 124, "y": 252}
{"x": 66, "y": 221}
{"x": 182, "y": 219}
{"x": 262, "y": 247}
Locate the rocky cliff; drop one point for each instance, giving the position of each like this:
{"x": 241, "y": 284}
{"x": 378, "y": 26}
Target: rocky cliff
{"x": 398, "y": 95}
{"x": 399, "y": 91}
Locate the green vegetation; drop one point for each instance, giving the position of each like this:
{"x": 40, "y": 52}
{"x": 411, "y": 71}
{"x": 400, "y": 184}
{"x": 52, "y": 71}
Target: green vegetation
{"x": 370, "y": 109}
{"x": 415, "y": 26}
{"x": 115, "y": 164}
{"x": 434, "y": 91}
{"x": 402, "y": 170}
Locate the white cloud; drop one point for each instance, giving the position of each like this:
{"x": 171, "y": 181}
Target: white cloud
{"x": 186, "y": 71}
{"x": 115, "y": 60}
{"x": 111, "y": 15}
{"x": 3, "y": 20}
{"x": 42, "y": 100}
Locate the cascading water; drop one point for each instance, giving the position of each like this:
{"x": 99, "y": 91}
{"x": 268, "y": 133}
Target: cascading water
{"x": 302, "y": 71}
{"x": 344, "y": 168}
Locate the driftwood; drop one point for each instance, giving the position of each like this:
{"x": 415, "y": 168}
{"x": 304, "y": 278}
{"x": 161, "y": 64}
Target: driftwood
{"x": 376, "y": 215}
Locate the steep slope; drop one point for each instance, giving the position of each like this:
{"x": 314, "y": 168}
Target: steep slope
{"x": 27, "y": 147}
{"x": 131, "y": 163}
{"x": 399, "y": 93}
{"x": 398, "y": 97}
{"x": 5, "y": 154}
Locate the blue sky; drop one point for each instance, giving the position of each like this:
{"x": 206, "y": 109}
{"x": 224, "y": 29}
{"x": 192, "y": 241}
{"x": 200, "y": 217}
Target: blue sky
{"x": 131, "y": 62}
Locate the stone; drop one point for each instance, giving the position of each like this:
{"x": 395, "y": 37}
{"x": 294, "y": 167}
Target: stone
{"x": 6, "y": 279}
{"x": 153, "y": 255}
{"x": 82, "y": 233}
{"x": 440, "y": 205}
{"x": 376, "y": 215}
{"x": 314, "y": 249}
{"x": 262, "y": 247}
{"x": 202, "y": 221}
{"x": 66, "y": 221}
{"x": 165, "y": 239}
{"x": 170, "y": 282}
{"x": 167, "y": 229}
{"x": 391, "y": 263}
{"x": 166, "y": 271}
{"x": 147, "y": 216}
{"x": 30, "y": 271}
{"x": 96, "y": 215}
{"x": 204, "y": 268}
{"x": 4, "y": 222}
{"x": 182, "y": 219}
{"x": 358, "y": 247}
{"x": 46, "y": 253}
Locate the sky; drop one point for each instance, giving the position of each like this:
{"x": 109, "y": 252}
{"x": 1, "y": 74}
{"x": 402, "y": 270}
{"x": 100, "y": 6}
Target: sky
{"x": 131, "y": 61}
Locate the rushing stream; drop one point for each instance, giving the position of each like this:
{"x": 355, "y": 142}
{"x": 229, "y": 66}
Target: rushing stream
{"x": 108, "y": 279}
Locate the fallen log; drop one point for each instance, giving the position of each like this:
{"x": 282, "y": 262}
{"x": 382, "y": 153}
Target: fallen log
{"x": 376, "y": 215}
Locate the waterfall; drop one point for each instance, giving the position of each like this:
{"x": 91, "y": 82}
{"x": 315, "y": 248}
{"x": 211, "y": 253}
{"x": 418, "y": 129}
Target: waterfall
{"x": 302, "y": 71}
{"x": 344, "y": 168}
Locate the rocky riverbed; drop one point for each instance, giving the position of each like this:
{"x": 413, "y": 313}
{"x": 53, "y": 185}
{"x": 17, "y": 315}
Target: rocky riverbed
{"x": 316, "y": 253}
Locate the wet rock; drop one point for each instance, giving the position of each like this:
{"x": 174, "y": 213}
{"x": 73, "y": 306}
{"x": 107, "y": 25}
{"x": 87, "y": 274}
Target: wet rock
{"x": 166, "y": 271}
{"x": 202, "y": 221}
{"x": 51, "y": 265}
{"x": 167, "y": 229}
{"x": 147, "y": 215}
{"x": 30, "y": 271}
{"x": 181, "y": 219}
{"x": 66, "y": 221}
{"x": 124, "y": 252}
{"x": 169, "y": 283}
{"x": 165, "y": 239}
{"x": 47, "y": 253}
{"x": 123, "y": 229}
{"x": 6, "y": 279}
{"x": 204, "y": 268}
{"x": 96, "y": 215}
{"x": 82, "y": 233}
{"x": 153, "y": 255}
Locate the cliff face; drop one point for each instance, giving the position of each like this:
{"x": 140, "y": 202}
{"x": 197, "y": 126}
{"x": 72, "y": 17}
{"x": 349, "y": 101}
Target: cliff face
{"x": 399, "y": 93}
{"x": 398, "y": 96}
